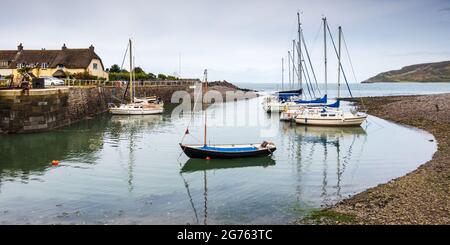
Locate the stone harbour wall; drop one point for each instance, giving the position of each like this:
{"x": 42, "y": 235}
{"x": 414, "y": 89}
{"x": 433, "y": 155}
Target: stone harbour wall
{"x": 47, "y": 109}
{"x": 164, "y": 92}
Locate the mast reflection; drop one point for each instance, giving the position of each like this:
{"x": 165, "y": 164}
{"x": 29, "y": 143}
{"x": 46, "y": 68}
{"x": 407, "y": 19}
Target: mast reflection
{"x": 199, "y": 165}
{"x": 328, "y": 138}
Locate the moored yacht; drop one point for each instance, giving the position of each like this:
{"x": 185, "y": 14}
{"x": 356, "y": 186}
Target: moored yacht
{"x": 329, "y": 117}
{"x": 137, "y": 106}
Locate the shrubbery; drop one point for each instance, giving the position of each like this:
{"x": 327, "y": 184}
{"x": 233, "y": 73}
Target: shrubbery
{"x": 84, "y": 76}
{"x": 116, "y": 74}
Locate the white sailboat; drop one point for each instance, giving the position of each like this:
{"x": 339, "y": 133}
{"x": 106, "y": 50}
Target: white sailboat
{"x": 328, "y": 116}
{"x": 272, "y": 104}
{"x": 137, "y": 106}
{"x": 286, "y": 98}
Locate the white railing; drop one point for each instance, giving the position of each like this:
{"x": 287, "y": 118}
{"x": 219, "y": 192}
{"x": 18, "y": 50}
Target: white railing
{"x": 104, "y": 83}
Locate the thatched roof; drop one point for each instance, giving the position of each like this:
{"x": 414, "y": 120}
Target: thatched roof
{"x": 8, "y": 55}
{"x": 69, "y": 58}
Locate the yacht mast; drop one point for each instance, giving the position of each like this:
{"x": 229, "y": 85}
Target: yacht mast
{"x": 339, "y": 61}
{"x": 299, "y": 49}
{"x": 289, "y": 67}
{"x": 206, "y": 114}
{"x": 282, "y": 73}
{"x": 325, "y": 51}
{"x": 293, "y": 63}
{"x": 131, "y": 73}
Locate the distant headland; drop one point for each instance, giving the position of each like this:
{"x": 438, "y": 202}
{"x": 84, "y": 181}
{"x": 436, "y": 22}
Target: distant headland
{"x": 427, "y": 72}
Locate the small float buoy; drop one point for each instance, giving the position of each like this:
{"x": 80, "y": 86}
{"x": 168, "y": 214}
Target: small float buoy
{"x": 208, "y": 158}
{"x": 55, "y": 162}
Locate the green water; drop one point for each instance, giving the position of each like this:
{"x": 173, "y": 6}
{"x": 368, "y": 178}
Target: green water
{"x": 130, "y": 170}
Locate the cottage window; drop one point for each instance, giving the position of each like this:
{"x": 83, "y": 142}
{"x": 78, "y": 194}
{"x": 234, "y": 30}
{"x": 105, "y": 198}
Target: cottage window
{"x": 3, "y": 64}
{"x": 95, "y": 66}
{"x": 60, "y": 67}
{"x": 44, "y": 65}
{"x": 19, "y": 66}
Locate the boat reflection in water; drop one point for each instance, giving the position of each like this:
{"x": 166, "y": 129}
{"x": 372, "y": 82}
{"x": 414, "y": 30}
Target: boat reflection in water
{"x": 129, "y": 127}
{"x": 144, "y": 120}
{"x": 199, "y": 165}
{"x": 193, "y": 165}
{"x": 328, "y": 134}
{"x": 324, "y": 144}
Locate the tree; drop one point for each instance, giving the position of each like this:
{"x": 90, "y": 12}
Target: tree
{"x": 114, "y": 69}
{"x": 172, "y": 78}
{"x": 151, "y": 76}
{"x": 162, "y": 76}
{"x": 138, "y": 70}
{"x": 25, "y": 72}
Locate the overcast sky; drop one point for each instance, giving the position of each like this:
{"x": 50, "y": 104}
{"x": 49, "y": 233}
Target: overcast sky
{"x": 238, "y": 41}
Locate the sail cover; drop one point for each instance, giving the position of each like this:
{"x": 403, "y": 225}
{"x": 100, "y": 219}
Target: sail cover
{"x": 288, "y": 94}
{"x": 316, "y": 101}
{"x": 336, "y": 104}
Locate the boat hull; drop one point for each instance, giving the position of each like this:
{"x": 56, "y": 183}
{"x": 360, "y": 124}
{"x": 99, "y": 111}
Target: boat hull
{"x": 288, "y": 116}
{"x": 279, "y": 107}
{"x": 195, "y": 151}
{"x": 135, "y": 111}
{"x": 356, "y": 121}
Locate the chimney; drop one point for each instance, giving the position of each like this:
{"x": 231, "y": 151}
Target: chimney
{"x": 91, "y": 48}
{"x": 20, "y": 47}
{"x": 64, "y": 47}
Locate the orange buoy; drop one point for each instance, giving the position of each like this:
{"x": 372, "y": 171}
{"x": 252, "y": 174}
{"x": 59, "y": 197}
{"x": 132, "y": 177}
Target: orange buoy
{"x": 55, "y": 162}
{"x": 208, "y": 158}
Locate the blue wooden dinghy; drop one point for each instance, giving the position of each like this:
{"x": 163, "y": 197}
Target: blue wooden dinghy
{"x": 228, "y": 151}
{"x": 205, "y": 151}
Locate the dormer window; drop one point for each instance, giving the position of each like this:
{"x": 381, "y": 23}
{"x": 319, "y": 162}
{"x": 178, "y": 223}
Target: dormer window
{"x": 19, "y": 66}
{"x": 60, "y": 67}
{"x": 44, "y": 65}
{"x": 95, "y": 66}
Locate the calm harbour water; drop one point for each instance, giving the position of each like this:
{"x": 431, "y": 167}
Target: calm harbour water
{"x": 130, "y": 170}
{"x": 365, "y": 89}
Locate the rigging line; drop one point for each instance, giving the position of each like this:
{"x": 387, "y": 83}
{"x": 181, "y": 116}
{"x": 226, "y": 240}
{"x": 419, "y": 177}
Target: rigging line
{"x": 307, "y": 77}
{"x": 123, "y": 61}
{"x": 315, "y": 38}
{"x": 348, "y": 155}
{"x": 125, "y": 56}
{"x": 296, "y": 72}
{"x": 192, "y": 115}
{"x": 190, "y": 196}
{"x": 310, "y": 64}
{"x": 353, "y": 70}
{"x": 342, "y": 69}
{"x": 121, "y": 68}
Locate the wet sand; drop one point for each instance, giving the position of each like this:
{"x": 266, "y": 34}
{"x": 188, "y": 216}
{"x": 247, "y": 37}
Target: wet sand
{"x": 420, "y": 197}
